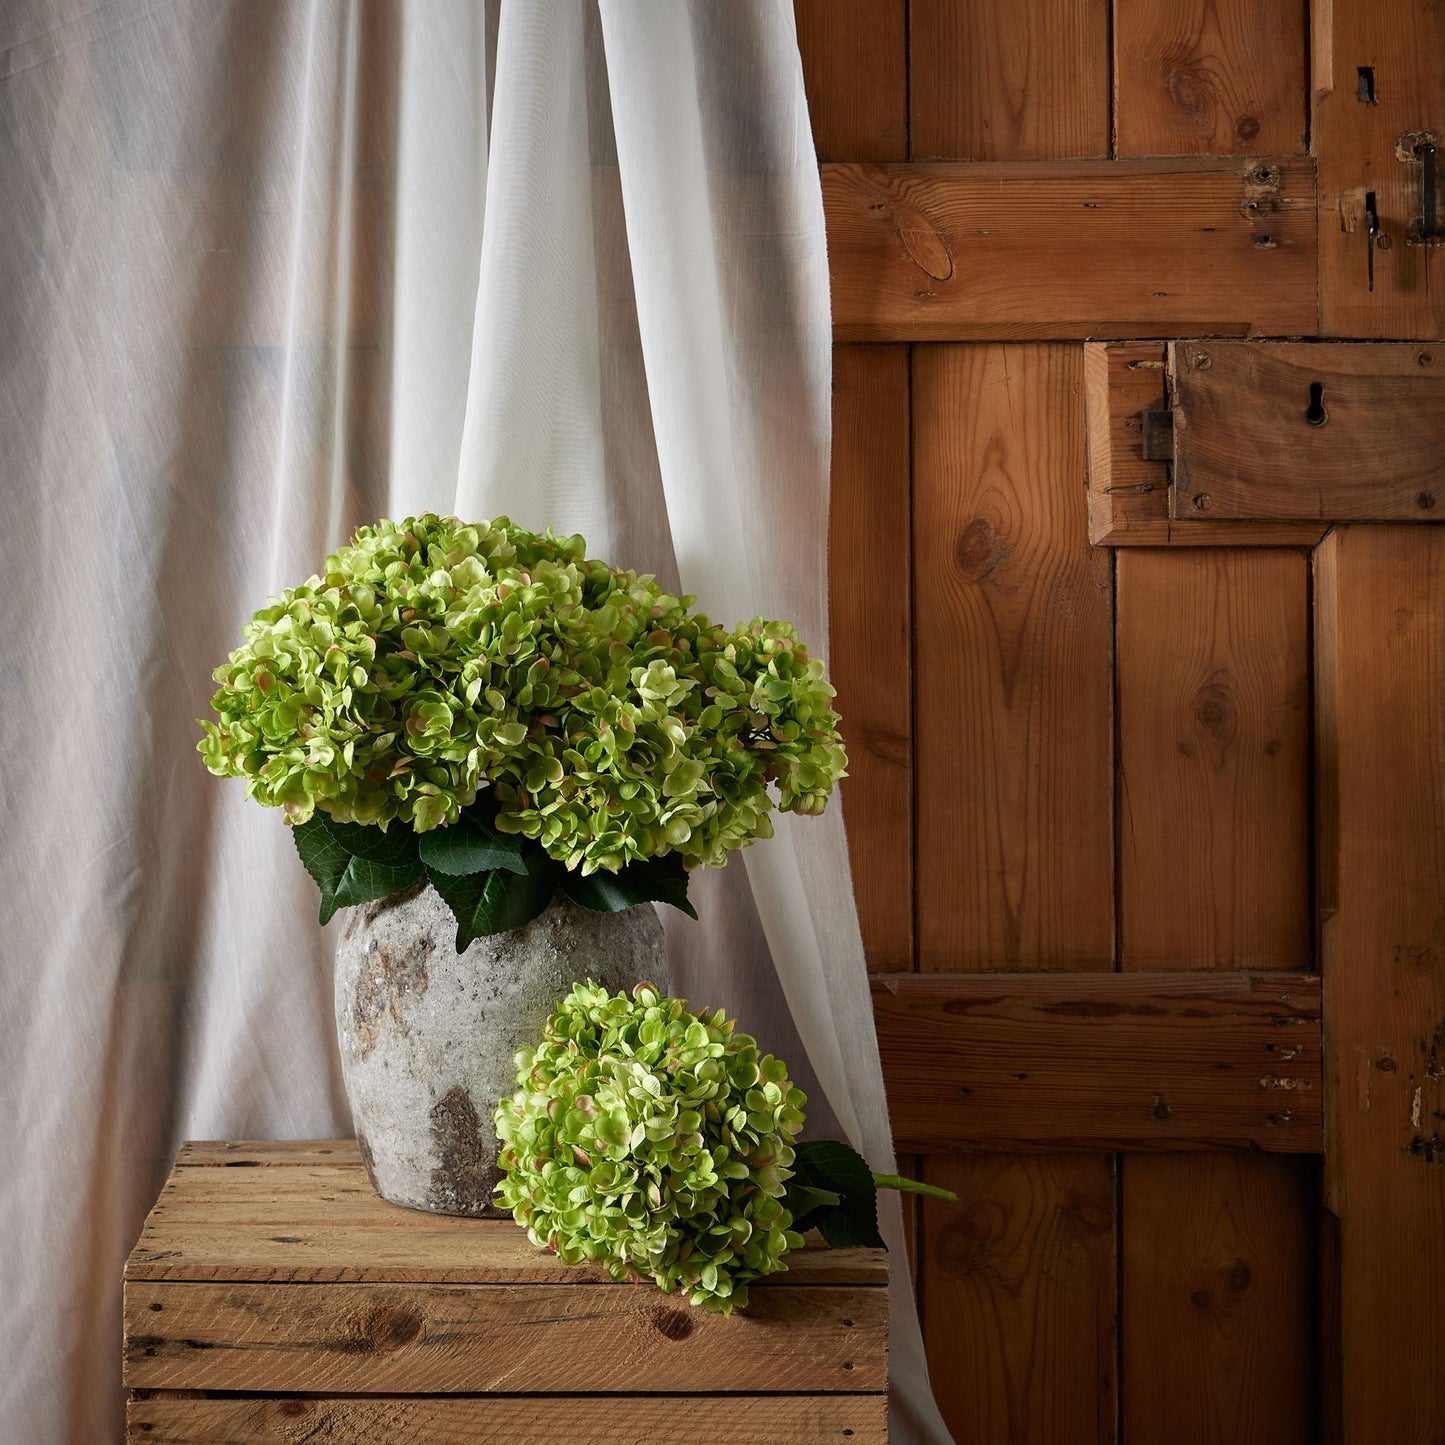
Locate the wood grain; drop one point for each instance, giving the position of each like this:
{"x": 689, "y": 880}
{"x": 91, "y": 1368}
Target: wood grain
{"x": 1380, "y": 698}
{"x": 460, "y": 1339}
{"x": 1128, "y": 496}
{"x": 1071, "y": 249}
{"x": 1209, "y": 77}
{"x": 1217, "y": 1291}
{"x": 1213, "y": 679}
{"x": 869, "y": 602}
{"x": 1101, "y": 1060}
{"x": 1018, "y": 1298}
{"x": 164, "y": 1419}
{"x": 1244, "y": 445}
{"x": 1012, "y": 735}
{"x": 1025, "y": 81}
{"x": 304, "y": 1211}
{"x": 1402, "y": 43}
{"x": 855, "y": 71}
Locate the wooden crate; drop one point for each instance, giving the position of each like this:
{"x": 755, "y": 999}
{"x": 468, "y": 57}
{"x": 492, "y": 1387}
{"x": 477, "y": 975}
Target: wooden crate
{"x": 273, "y": 1296}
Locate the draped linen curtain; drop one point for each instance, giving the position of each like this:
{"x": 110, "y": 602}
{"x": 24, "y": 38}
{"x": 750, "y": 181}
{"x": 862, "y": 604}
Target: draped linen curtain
{"x": 273, "y": 268}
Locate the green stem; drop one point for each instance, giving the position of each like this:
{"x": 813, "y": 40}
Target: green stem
{"x": 912, "y": 1186}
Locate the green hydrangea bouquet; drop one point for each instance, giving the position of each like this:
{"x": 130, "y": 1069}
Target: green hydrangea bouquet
{"x": 495, "y": 710}
{"x": 662, "y": 1144}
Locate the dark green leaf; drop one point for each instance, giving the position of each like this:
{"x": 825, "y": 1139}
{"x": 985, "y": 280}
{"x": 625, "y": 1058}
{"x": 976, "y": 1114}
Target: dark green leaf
{"x": 470, "y": 845}
{"x": 497, "y": 901}
{"x": 830, "y": 1166}
{"x": 807, "y": 1205}
{"x": 658, "y": 880}
{"x": 352, "y": 863}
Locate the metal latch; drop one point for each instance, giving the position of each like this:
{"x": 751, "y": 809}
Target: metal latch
{"x": 1423, "y": 148}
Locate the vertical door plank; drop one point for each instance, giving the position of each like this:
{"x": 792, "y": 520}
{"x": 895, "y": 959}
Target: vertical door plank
{"x": 1209, "y": 77}
{"x": 869, "y": 547}
{"x": 855, "y": 70}
{"x": 1214, "y": 758}
{"x": 1018, "y": 1298}
{"x": 1359, "y": 122}
{"x": 1009, "y": 80}
{"x": 1380, "y": 699}
{"x": 1214, "y": 769}
{"x": 1013, "y": 746}
{"x": 1217, "y": 1297}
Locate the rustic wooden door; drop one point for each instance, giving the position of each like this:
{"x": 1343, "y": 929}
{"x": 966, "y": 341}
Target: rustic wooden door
{"x": 1140, "y": 635}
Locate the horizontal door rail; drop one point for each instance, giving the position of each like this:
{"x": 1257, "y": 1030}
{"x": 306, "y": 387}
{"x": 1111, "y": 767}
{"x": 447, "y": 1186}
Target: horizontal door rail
{"x": 1101, "y": 1061}
{"x": 1070, "y": 250}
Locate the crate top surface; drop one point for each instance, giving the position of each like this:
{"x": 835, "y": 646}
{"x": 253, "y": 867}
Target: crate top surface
{"x": 304, "y": 1210}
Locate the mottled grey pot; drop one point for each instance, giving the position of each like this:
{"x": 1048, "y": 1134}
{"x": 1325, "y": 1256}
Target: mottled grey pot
{"x": 427, "y": 1037}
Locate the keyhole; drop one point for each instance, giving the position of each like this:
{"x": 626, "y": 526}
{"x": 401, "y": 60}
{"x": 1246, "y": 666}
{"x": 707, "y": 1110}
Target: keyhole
{"x": 1315, "y": 413}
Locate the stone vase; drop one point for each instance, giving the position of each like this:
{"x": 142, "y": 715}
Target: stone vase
{"x": 427, "y": 1036}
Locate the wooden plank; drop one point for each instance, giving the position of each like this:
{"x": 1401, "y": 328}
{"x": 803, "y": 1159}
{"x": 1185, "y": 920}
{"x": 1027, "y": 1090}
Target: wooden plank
{"x": 1358, "y": 142}
{"x": 1380, "y": 699}
{"x": 1212, "y": 690}
{"x": 164, "y": 1419}
{"x": 869, "y": 549}
{"x": 322, "y": 1221}
{"x": 1128, "y": 496}
{"x": 1012, "y": 735}
{"x": 1025, "y": 81}
{"x": 1018, "y": 1298}
{"x": 1212, "y": 684}
{"x": 1071, "y": 249}
{"x": 1216, "y": 1294}
{"x": 481, "y": 1338}
{"x": 1209, "y": 77}
{"x": 1221, "y": 1060}
{"x": 250, "y": 1153}
{"x": 1308, "y": 430}
{"x": 855, "y": 70}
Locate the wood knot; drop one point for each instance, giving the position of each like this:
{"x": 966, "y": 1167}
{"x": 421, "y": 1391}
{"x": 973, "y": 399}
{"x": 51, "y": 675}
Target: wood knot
{"x": 1216, "y": 713}
{"x": 672, "y": 1324}
{"x": 385, "y": 1328}
{"x": 1246, "y": 127}
{"x": 978, "y": 550}
{"x": 1240, "y": 1277}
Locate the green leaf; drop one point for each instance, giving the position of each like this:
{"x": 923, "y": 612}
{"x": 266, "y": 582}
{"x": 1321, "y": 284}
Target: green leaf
{"x": 470, "y": 845}
{"x": 353, "y": 863}
{"x": 494, "y": 902}
{"x": 657, "y": 880}
{"x": 830, "y": 1166}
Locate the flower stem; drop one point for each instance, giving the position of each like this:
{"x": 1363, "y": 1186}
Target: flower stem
{"x": 912, "y": 1186}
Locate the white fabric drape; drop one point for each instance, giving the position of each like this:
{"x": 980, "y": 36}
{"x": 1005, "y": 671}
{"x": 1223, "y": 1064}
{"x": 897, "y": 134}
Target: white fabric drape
{"x": 269, "y": 269}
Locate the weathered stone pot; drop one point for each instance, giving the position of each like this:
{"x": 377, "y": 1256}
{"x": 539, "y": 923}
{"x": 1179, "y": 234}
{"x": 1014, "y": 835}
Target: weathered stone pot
{"x": 427, "y": 1037}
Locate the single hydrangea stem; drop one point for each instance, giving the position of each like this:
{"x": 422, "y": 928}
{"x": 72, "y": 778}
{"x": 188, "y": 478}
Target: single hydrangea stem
{"x": 912, "y": 1186}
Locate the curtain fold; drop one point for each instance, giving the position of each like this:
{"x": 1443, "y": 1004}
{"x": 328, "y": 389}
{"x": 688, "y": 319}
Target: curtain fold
{"x": 273, "y": 268}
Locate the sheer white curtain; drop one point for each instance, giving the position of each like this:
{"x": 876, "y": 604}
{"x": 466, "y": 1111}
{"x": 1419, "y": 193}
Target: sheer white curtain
{"x": 271, "y": 268}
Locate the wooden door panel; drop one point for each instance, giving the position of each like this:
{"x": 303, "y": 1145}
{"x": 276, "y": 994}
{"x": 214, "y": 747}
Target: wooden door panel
{"x": 1380, "y": 698}
{"x": 1018, "y": 1298}
{"x": 1134, "y": 782}
{"x": 1011, "y": 647}
{"x": 855, "y": 67}
{"x": 1212, "y": 685}
{"x": 1027, "y": 81}
{"x": 869, "y": 605}
{"x": 1209, "y": 77}
{"x": 1217, "y": 1291}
